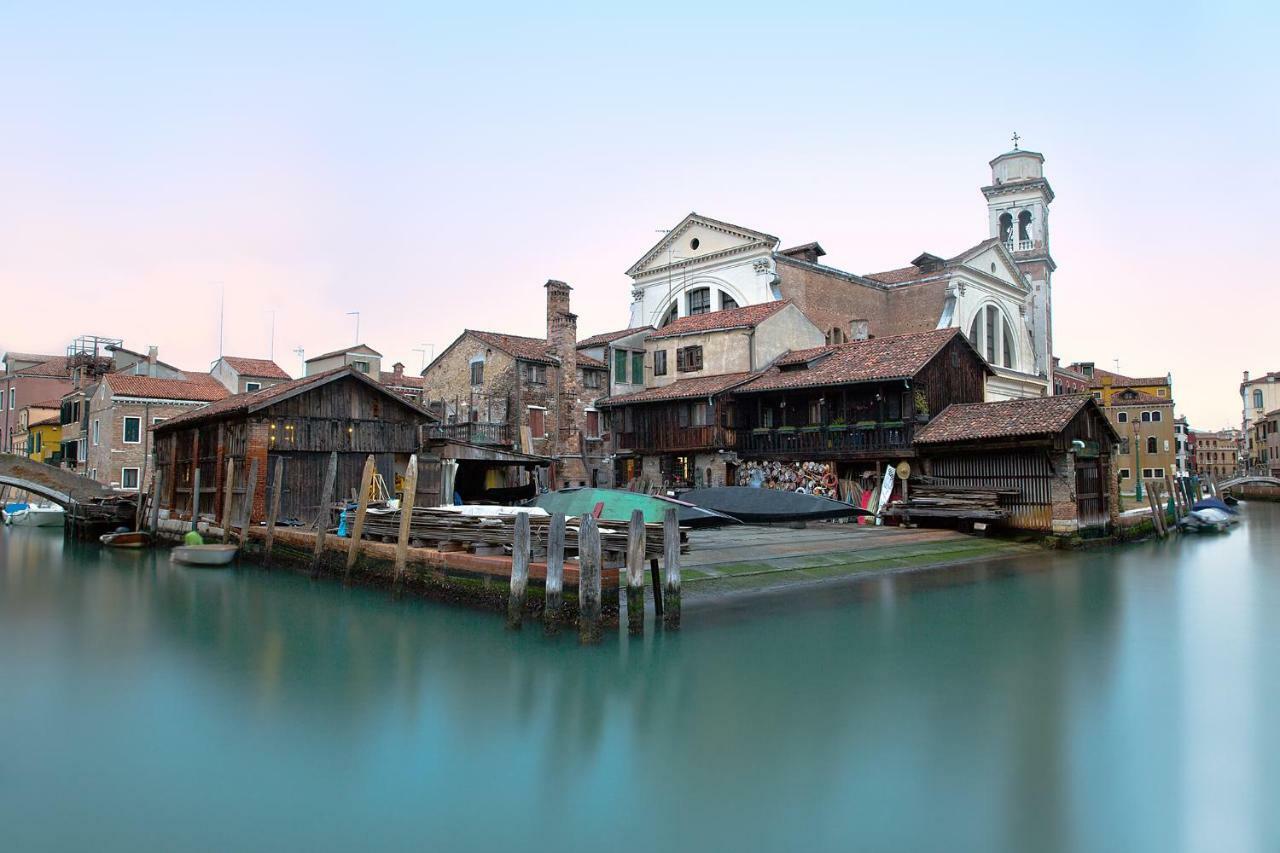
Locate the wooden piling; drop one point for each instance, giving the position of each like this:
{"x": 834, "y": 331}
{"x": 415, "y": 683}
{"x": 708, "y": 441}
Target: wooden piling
{"x": 322, "y": 514}
{"x": 406, "y": 517}
{"x": 362, "y": 508}
{"x": 671, "y": 563}
{"x": 155, "y": 502}
{"x": 227, "y": 485}
{"x": 519, "y": 571}
{"x": 195, "y": 499}
{"x": 273, "y": 511}
{"x": 588, "y": 580}
{"x": 635, "y": 573}
{"x": 250, "y": 492}
{"x": 555, "y": 575}
{"x": 655, "y": 581}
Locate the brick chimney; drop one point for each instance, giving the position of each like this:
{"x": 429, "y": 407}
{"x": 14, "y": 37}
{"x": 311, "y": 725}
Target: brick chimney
{"x": 859, "y": 330}
{"x": 153, "y": 355}
{"x": 397, "y": 373}
{"x": 562, "y": 337}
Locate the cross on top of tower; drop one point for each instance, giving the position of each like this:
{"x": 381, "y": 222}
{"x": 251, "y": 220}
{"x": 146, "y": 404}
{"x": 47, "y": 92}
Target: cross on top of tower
{"x": 1016, "y": 137}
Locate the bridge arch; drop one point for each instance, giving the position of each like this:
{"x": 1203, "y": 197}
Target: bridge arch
{"x": 53, "y": 484}
{"x": 61, "y": 498}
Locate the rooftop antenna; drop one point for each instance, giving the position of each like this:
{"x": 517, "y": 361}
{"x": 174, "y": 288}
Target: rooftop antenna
{"x": 423, "y": 351}
{"x": 1116, "y": 362}
{"x": 357, "y": 314}
{"x": 222, "y": 314}
{"x": 300, "y": 352}
{"x": 273, "y": 334}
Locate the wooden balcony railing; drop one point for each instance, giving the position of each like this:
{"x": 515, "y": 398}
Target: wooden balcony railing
{"x": 663, "y": 439}
{"x": 828, "y": 441}
{"x": 473, "y": 432}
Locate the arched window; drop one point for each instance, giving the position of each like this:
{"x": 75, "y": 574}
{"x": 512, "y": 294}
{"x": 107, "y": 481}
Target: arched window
{"x": 670, "y": 316}
{"x": 991, "y": 334}
{"x": 1152, "y": 446}
{"x": 1006, "y": 227}
{"x": 699, "y": 301}
{"x": 727, "y": 301}
{"x": 1257, "y": 398}
{"x": 1024, "y": 227}
{"x": 1008, "y": 347}
{"x": 973, "y": 333}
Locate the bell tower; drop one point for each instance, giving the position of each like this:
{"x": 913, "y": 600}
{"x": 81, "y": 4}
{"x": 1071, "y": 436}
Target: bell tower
{"x": 1018, "y": 213}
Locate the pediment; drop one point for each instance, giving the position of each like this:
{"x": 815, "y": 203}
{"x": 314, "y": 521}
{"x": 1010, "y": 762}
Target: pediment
{"x": 992, "y": 260}
{"x": 696, "y": 238}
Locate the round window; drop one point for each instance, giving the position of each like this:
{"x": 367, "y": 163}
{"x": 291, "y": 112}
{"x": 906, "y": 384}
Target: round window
{"x": 694, "y": 243}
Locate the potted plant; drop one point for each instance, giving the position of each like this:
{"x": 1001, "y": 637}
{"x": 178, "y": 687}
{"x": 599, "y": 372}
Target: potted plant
{"x": 922, "y": 407}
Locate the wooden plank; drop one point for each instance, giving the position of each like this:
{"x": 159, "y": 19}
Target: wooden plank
{"x": 519, "y": 572}
{"x": 555, "y": 574}
{"x": 635, "y": 572}
{"x": 588, "y": 581}
{"x": 273, "y": 511}
{"x": 250, "y": 491}
{"x": 155, "y": 503}
{"x": 406, "y": 516}
{"x": 362, "y": 508}
{"x": 228, "y": 485}
{"x": 322, "y": 514}
{"x": 671, "y": 563}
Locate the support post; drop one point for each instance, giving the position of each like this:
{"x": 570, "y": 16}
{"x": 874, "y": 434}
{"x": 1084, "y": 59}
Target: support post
{"x": 635, "y": 573}
{"x": 362, "y": 508}
{"x": 250, "y": 491}
{"x": 195, "y": 500}
{"x": 671, "y": 560}
{"x": 273, "y": 511}
{"x": 322, "y": 514}
{"x": 519, "y": 571}
{"x": 655, "y": 581}
{"x": 228, "y": 483}
{"x": 155, "y": 502}
{"x": 588, "y": 580}
{"x": 555, "y": 575}
{"x": 406, "y": 517}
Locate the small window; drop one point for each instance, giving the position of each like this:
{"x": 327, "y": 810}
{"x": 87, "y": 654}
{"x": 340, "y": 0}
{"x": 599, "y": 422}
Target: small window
{"x": 689, "y": 359}
{"x": 590, "y": 379}
{"x": 1146, "y": 417}
{"x": 1147, "y": 474}
{"x": 1122, "y": 417}
{"x": 695, "y": 243}
{"x": 1152, "y": 445}
{"x": 155, "y": 421}
{"x": 96, "y": 434}
{"x": 362, "y": 366}
{"x": 1125, "y": 473}
{"x": 660, "y": 362}
{"x": 1159, "y": 472}
{"x": 637, "y": 368}
{"x": 1162, "y": 392}
{"x": 132, "y": 430}
{"x": 477, "y": 372}
{"x": 249, "y": 387}
{"x": 1155, "y": 417}
{"x": 538, "y": 422}
{"x": 699, "y": 301}
{"x": 129, "y": 479}
{"x": 535, "y": 374}
{"x": 1257, "y": 398}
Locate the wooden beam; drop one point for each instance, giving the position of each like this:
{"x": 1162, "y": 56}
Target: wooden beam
{"x": 250, "y": 491}
{"x": 671, "y": 563}
{"x": 588, "y": 580}
{"x": 519, "y": 571}
{"x": 228, "y": 483}
{"x": 406, "y": 517}
{"x": 273, "y": 511}
{"x": 322, "y": 514}
{"x": 155, "y": 502}
{"x": 555, "y": 575}
{"x": 362, "y": 507}
{"x": 635, "y": 572}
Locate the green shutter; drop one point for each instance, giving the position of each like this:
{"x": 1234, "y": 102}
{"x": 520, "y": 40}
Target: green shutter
{"x": 620, "y": 365}
{"x": 637, "y": 368}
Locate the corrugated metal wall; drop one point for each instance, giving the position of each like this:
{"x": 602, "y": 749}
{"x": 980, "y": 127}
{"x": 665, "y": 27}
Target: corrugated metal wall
{"x": 1029, "y": 473}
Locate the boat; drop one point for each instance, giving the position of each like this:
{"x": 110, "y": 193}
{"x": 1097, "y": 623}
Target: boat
{"x": 1207, "y": 520}
{"x": 1215, "y": 503}
{"x": 36, "y": 515}
{"x": 12, "y": 507}
{"x": 759, "y": 506}
{"x": 618, "y": 504}
{"x": 126, "y": 539}
{"x": 204, "y": 555}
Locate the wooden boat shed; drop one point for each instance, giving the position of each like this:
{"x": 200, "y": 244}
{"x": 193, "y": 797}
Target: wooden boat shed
{"x": 1054, "y": 453}
{"x": 298, "y": 423}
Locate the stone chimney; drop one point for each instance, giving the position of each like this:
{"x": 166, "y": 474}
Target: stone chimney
{"x": 562, "y": 338}
{"x": 397, "y": 373}
{"x": 859, "y": 330}
{"x": 153, "y": 355}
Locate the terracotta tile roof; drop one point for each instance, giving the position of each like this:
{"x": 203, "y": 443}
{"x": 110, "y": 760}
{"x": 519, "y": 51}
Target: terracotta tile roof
{"x": 371, "y": 351}
{"x": 55, "y": 403}
{"x": 256, "y": 368}
{"x": 746, "y": 317}
{"x": 681, "y": 389}
{"x": 609, "y": 337}
{"x": 874, "y": 360}
{"x": 252, "y": 401}
{"x": 29, "y": 356}
{"x": 1035, "y": 416}
{"x": 49, "y": 421}
{"x": 529, "y": 349}
{"x": 911, "y": 273}
{"x": 402, "y": 381}
{"x": 1117, "y": 379}
{"x": 197, "y": 387}
{"x": 55, "y": 366}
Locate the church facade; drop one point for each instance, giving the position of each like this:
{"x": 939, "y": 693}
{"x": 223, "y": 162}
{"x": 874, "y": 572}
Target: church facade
{"x": 997, "y": 292}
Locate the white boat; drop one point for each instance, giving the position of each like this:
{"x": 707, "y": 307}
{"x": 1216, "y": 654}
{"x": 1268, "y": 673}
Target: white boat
{"x": 36, "y": 515}
{"x": 204, "y": 555}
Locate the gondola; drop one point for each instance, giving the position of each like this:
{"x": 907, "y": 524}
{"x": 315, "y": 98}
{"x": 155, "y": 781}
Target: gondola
{"x": 764, "y": 506}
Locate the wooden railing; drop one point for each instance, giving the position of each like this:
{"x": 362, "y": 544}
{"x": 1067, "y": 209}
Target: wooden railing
{"x": 473, "y": 432}
{"x": 675, "y": 438}
{"x": 824, "y": 441}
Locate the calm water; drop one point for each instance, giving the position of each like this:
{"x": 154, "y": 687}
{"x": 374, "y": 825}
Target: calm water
{"x": 1125, "y": 700}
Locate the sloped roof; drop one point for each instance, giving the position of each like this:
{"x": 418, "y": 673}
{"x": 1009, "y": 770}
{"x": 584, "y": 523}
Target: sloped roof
{"x": 903, "y": 275}
{"x": 51, "y": 420}
{"x": 253, "y": 401}
{"x": 1035, "y": 416}
{"x": 609, "y": 337}
{"x": 681, "y": 389}
{"x": 524, "y": 348}
{"x": 404, "y": 380}
{"x": 681, "y": 226}
{"x": 874, "y": 360}
{"x": 1134, "y": 397}
{"x": 197, "y": 387}
{"x": 746, "y": 317}
{"x": 365, "y": 348}
{"x": 53, "y": 366}
{"x": 1117, "y": 379}
{"x": 256, "y": 368}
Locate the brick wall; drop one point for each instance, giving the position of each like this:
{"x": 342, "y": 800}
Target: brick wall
{"x": 112, "y": 454}
{"x": 834, "y": 301}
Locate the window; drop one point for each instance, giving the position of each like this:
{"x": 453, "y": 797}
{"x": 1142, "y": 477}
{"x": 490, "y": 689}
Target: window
{"x": 688, "y": 359}
{"x": 1122, "y": 417}
{"x": 1125, "y": 473}
{"x": 129, "y": 479}
{"x": 1097, "y": 395}
{"x": 619, "y": 365}
{"x": 590, "y": 379}
{"x": 1006, "y": 344}
{"x": 991, "y": 334}
{"x": 362, "y": 366}
{"x": 1257, "y": 398}
{"x": 1146, "y": 417}
{"x": 727, "y": 301}
{"x": 155, "y": 421}
{"x": 132, "y": 430}
{"x": 538, "y": 422}
{"x": 1124, "y": 447}
{"x": 1147, "y": 474}
{"x": 1006, "y": 227}
{"x": 477, "y": 372}
{"x": 535, "y": 373}
{"x": 81, "y": 451}
{"x": 699, "y": 301}
{"x": 252, "y": 386}
{"x": 660, "y": 362}
{"x": 1162, "y": 392}
{"x": 1155, "y": 417}
{"x": 1152, "y": 445}
{"x": 1159, "y": 472}
{"x": 670, "y": 316}
{"x": 95, "y": 433}
{"x": 1024, "y": 226}
{"x": 637, "y": 368}
{"x": 13, "y": 396}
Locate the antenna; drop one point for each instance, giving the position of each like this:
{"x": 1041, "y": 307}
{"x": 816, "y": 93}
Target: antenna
{"x": 222, "y": 315}
{"x": 423, "y": 351}
{"x": 300, "y": 353}
{"x": 357, "y": 315}
{"x": 272, "y": 355}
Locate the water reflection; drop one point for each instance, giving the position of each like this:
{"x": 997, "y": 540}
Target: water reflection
{"x": 1110, "y": 700}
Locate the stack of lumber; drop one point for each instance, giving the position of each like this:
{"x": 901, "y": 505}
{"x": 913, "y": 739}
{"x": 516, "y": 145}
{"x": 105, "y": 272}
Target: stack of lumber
{"x": 938, "y": 500}
{"x": 434, "y": 525}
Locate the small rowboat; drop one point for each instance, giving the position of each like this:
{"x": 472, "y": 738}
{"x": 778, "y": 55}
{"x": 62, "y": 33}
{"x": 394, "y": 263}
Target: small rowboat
{"x": 204, "y": 555}
{"x": 127, "y": 539}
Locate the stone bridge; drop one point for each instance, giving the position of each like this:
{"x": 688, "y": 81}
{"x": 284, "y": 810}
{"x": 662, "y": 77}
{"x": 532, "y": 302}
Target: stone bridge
{"x": 54, "y": 484}
{"x": 1250, "y": 480}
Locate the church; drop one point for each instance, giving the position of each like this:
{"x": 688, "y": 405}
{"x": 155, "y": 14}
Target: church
{"x": 997, "y": 291}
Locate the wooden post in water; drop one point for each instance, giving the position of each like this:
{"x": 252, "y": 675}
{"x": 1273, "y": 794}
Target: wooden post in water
{"x": 227, "y": 485}
{"x": 671, "y": 560}
{"x": 250, "y": 492}
{"x": 273, "y": 511}
{"x": 406, "y": 517}
{"x": 588, "y": 580}
{"x": 362, "y": 507}
{"x": 322, "y": 515}
{"x": 655, "y": 581}
{"x": 195, "y": 500}
{"x": 555, "y": 575}
{"x": 635, "y": 573}
{"x": 519, "y": 571}
{"x": 1157, "y": 514}
{"x": 155, "y": 502}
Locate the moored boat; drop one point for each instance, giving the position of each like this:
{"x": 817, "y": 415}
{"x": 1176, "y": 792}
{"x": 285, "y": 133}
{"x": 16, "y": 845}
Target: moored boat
{"x": 126, "y": 539}
{"x": 36, "y": 515}
{"x": 618, "y": 504}
{"x": 759, "y": 506}
{"x": 211, "y": 556}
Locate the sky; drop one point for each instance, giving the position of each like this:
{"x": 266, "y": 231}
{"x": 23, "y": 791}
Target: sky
{"x": 431, "y": 169}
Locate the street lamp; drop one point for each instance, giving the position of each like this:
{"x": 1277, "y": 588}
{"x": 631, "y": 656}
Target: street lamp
{"x": 1137, "y": 460}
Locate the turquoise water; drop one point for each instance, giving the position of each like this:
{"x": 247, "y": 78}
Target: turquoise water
{"x": 1115, "y": 700}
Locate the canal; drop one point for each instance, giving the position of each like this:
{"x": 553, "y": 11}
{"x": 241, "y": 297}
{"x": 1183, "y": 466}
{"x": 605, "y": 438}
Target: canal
{"x": 1126, "y": 699}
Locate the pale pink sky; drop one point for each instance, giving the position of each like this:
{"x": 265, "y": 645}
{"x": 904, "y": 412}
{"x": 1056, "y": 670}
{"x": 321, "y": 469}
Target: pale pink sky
{"x": 433, "y": 172}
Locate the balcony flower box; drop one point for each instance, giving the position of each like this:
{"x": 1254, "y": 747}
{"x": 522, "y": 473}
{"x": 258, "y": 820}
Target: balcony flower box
{"x": 865, "y": 425}
{"x": 761, "y": 431}
{"x": 892, "y": 424}
{"x": 785, "y": 430}
{"x": 811, "y": 429}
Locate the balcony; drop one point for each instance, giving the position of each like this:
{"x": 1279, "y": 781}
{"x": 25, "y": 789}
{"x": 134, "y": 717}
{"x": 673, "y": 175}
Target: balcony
{"x": 834, "y": 441}
{"x": 663, "y": 438}
{"x": 1019, "y": 245}
{"x": 473, "y": 432}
